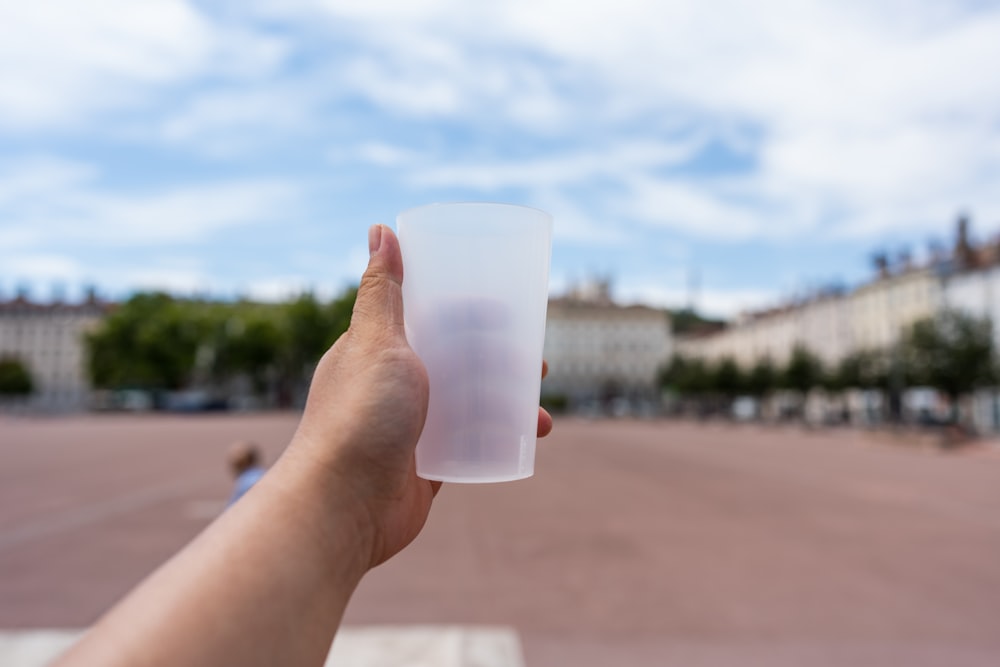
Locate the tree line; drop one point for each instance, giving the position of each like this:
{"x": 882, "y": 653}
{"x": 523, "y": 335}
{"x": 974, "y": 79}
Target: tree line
{"x": 952, "y": 352}
{"x": 154, "y": 341}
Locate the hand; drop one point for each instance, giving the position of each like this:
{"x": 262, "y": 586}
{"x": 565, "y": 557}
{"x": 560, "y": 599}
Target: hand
{"x": 367, "y": 406}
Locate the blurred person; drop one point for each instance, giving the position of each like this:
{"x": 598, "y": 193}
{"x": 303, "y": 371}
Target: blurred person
{"x": 267, "y": 583}
{"x": 245, "y": 463}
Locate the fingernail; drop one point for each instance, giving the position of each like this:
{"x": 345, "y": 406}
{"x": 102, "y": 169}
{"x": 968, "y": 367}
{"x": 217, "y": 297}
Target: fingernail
{"x": 374, "y": 239}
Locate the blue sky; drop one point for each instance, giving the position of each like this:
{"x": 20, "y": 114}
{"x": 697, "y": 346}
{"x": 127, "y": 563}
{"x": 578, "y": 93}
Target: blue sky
{"x": 243, "y": 147}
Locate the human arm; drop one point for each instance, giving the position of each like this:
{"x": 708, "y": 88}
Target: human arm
{"x": 268, "y": 582}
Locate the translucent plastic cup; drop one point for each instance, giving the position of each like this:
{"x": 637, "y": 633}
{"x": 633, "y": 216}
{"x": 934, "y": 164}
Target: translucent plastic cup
{"x": 475, "y": 290}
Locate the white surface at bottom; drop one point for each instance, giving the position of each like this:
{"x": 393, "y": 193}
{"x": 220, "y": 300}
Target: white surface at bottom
{"x": 366, "y": 646}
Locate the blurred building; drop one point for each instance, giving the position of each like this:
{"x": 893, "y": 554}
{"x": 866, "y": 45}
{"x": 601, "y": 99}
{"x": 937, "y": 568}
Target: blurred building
{"x": 48, "y": 339}
{"x": 602, "y": 354}
{"x": 831, "y": 323}
{"x": 874, "y": 316}
{"x": 826, "y": 326}
{"x": 971, "y": 284}
{"x": 883, "y": 308}
{"x": 821, "y": 323}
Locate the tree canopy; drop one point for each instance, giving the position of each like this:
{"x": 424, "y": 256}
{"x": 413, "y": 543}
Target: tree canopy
{"x": 685, "y": 376}
{"x": 156, "y": 341}
{"x": 803, "y": 371}
{"x": 864, "y": 369}
{"x": 727, "y": 378}
{"x": 762, "y": 378}
{"x": 952, "y": 352}
{"x": 15, "y": 380}
{"x": 686, "y": 321}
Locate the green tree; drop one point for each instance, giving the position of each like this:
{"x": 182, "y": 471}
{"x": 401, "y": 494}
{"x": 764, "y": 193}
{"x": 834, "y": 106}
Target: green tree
{"x": 309, "y": 334}
{"x": 864, "y": 369}
{"x": 156, "y": 341}
{"x": 687, "y": 321}
{"x": 762, "y": 378}
{"x": 686, "y": 376}
{"x": 310, "y": 329}
{"x": 803, "y": 371}
{"x": 830, "y": 381}
{"x": 15, "y": 380}
{"x": 695, "y": 380}
{"x": 340, "y": 311}
{"x": 670, "y": 373}
{"x": 727, "y": 378}
{"x": 150, "y": 341}
{"x": 252, "y": 345}
{"x": 954, "y": 353}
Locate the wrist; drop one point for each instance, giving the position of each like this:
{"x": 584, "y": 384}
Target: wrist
{"x": 314, "y": 492}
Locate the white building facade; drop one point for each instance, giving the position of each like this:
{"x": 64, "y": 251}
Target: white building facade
{"x": 598, "y": 350}
{"x": 831, "y": 326}
{"x": 881, "y": 310}
{"x": 975, "y": 293}
{"x": 822, "y": 325}
{"x": 48, "y": 339}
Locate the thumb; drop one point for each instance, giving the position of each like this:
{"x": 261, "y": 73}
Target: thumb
{"x": 378, "y": 309}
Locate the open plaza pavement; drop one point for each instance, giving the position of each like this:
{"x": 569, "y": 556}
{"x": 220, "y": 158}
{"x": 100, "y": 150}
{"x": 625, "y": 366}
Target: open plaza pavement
{"x": 636, "y": 543}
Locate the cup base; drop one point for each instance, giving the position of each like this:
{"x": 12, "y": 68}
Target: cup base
{"x": 470, "y": 479}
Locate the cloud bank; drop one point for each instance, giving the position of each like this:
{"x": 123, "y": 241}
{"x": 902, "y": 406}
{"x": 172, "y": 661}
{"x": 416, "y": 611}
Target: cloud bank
{"x": 638, "y": 123}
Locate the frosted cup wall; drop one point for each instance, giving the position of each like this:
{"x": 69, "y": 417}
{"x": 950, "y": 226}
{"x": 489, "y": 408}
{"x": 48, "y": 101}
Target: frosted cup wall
{"x": 475, "y": 289}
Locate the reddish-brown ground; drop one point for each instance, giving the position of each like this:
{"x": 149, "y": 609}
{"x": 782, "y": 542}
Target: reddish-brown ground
{"x": 636, "y": 543}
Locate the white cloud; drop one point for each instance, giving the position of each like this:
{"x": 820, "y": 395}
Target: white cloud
{"x": 225, "y": 123}
{"x": 573, "y": 225}
{"x": 168, "y": 273}
{"x": 325, "y": 276}
{"x": 50, "y": 200}
{"x": 859, "y": 108}
{"x": 619, "y": 161}
{"x": 693, "y": 209}
{"x": 382, "y": 154}
{"x": 40, "y": 267}
{"x": 420, "y": 93}
{"x": 168, "y": 279}
{"x": 61, "y": 60}
{"x": 184, "y": 214}
{"x": 34, "y": 176}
